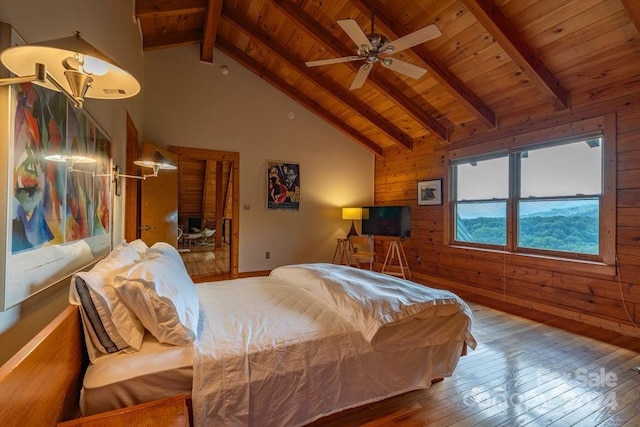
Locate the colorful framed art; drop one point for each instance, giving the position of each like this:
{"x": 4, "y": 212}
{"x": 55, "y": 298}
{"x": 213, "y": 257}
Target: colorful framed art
{"x": 56, "y": 215}
{"x": 283, "y": 186}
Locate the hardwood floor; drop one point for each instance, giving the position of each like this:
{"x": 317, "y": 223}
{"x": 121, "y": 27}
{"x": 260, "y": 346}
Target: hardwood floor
{"x": 529, "y": 369}
{"x": 205, "y": 263}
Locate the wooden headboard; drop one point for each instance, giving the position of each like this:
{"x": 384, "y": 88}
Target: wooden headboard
{"x": 41, "y": 384}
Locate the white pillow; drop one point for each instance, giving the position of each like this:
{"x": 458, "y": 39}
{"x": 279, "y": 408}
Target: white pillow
{"x": 108, "y": 323}
{"x": 162, "y": 295}
{"x": 167, "y": 250}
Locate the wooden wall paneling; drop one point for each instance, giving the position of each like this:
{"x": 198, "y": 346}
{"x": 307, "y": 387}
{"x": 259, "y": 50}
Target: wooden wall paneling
{"x": 219, "y": 201}
{"x": 593, "y": 295}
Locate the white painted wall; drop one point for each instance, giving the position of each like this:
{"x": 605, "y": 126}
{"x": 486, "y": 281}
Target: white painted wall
{"x": 190, "y": 103}
{"x": 109, "y": 26}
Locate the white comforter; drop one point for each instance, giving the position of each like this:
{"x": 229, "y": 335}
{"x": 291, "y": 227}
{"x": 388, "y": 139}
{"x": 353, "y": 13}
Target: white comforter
{"x": 278, "y": 351}
{"x": 391, "y": 313}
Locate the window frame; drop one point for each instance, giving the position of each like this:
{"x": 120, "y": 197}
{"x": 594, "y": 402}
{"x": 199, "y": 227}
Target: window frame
{"x": 602, "y": 126}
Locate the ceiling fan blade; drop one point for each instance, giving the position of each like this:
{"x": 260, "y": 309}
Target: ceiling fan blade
{"x": 403, "y": 67}
{"x": 361, "y": 76}
{"x": 332, "y": 61}
{"x": 353, "y": 30}
{"x": 410, "y": 40}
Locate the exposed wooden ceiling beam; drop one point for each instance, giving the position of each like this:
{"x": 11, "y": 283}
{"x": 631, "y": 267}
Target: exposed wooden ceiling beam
{"x": 157, "y": 8}
{"x": 172, "y": 40}
{"x": 633, "y": 9}
{"x": 334, "y": 45}
{"x": 492, "y": 19}
{"x": 439, "y": 73}
{"x": 280, "y": 84}
{"x": 336, "y": 90}
{"x": 211, "y": 22}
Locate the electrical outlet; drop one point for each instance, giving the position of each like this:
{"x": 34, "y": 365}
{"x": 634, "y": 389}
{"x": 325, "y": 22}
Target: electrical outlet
{"x": 267, "y": 255}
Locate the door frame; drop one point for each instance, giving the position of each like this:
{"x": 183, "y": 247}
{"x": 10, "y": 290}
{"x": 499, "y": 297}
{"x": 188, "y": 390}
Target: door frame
{"x": 221, "y": 156}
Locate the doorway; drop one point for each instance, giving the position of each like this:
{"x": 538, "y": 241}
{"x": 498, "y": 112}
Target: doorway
{"x": 208, "y": 211}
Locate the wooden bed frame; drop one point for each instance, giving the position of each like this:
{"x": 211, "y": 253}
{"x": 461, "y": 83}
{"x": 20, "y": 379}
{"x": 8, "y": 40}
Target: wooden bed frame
{"x": 41, "y": 384}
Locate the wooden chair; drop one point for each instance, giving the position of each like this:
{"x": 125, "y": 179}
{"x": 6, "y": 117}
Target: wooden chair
{"x": 362, "y": 250}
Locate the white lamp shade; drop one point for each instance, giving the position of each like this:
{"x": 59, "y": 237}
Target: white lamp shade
{"x": 62, "y": 158}
{"x": 155, "y": 160}
{"x": 352, "y": 213}
{"x": 109, "y": 80}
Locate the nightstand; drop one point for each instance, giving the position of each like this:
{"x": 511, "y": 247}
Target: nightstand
{"x": 172, "y": 411}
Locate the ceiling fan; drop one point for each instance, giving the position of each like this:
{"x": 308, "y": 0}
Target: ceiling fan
{"x": 375, "y": 47}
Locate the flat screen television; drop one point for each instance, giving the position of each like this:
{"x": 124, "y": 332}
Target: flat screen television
{"x": 394, "y": 221}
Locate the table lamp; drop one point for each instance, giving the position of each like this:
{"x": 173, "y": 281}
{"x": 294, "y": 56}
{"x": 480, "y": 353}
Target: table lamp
{"x": 352, "y": 214}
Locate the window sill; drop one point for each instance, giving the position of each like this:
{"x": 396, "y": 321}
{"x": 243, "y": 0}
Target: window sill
{"x": 564, "y": 265}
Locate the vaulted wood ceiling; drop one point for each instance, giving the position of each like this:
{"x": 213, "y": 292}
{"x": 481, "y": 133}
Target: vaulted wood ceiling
{"x": 496, "y": 62}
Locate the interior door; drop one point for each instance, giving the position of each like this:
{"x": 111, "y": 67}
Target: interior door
{"x": 159, "y": 202}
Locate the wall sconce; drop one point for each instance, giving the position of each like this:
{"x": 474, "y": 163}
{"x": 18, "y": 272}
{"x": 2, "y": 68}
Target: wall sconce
{"x": 352, "y": 214}
{"x": 69, "y": 65}
{"x": 155, "y": 161}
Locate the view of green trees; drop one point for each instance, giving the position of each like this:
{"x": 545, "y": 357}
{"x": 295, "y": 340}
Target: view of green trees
{"x": 570, "y": 230}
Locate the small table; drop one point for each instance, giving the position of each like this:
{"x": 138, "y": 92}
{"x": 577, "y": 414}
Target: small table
{"x": 342, "y": 251}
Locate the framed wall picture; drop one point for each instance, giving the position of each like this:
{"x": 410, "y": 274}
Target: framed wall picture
{"x": 283, "y": 186}
{"x": 430, "y": 192}
{"x": 56, "y": 212}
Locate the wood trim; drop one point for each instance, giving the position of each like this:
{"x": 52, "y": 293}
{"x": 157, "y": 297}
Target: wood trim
{"x": 490, "y": 16}
{"x": 333, "y": 45}
{"x": 606, "y": 124}
{"x": 132, "y": 186}
{"x": 159, "y": 8}
{"x": 609, "y": 208}
{"x": 342, "y": 95}
{"x": 220, "y": 202}
{"x": 211, "y": 23}
{"x": 167, "y": 40}
{"x": 40, "y": 385}
{"x": 220, "y": 156}
{"x": 280, "y": 84}
{"x": 439, "y": 73}
{"x": 633, "y": 10}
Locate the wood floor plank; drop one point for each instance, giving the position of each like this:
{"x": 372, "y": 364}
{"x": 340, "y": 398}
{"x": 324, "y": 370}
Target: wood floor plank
{"x": 529, "y": 368}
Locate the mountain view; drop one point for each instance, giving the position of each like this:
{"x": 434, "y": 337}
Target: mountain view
{"x": 570, "y": 226}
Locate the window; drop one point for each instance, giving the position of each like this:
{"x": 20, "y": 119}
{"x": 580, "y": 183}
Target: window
{"x": 542, "y": 198}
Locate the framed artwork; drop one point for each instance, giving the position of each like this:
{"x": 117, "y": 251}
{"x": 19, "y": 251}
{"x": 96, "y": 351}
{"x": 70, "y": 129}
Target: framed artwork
{"x": 56, "y": 215}
{"x": 283, "y": 186}
{"x": 430, "y": 192}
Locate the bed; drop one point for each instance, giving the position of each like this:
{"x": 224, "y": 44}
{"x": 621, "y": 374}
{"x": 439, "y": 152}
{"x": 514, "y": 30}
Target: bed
{"x": 307, "y": 341}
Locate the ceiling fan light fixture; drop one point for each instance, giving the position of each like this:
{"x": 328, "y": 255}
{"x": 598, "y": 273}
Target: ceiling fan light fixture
{"x": 371, "y": 46}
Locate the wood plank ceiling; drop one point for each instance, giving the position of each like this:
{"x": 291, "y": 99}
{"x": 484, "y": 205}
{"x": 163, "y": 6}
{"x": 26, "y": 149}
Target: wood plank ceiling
{"x": 495, "y": 62}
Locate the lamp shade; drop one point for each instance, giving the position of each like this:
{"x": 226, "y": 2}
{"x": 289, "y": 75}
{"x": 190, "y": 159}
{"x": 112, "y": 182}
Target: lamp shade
{"x": 75, "y": 65}
{"x": 155, "y": 160}
{"x": 62, "y": 158}
{"x": 352, "y": 213}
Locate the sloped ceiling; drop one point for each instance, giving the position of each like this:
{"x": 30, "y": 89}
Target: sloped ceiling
{"x": 496, "y": 62}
